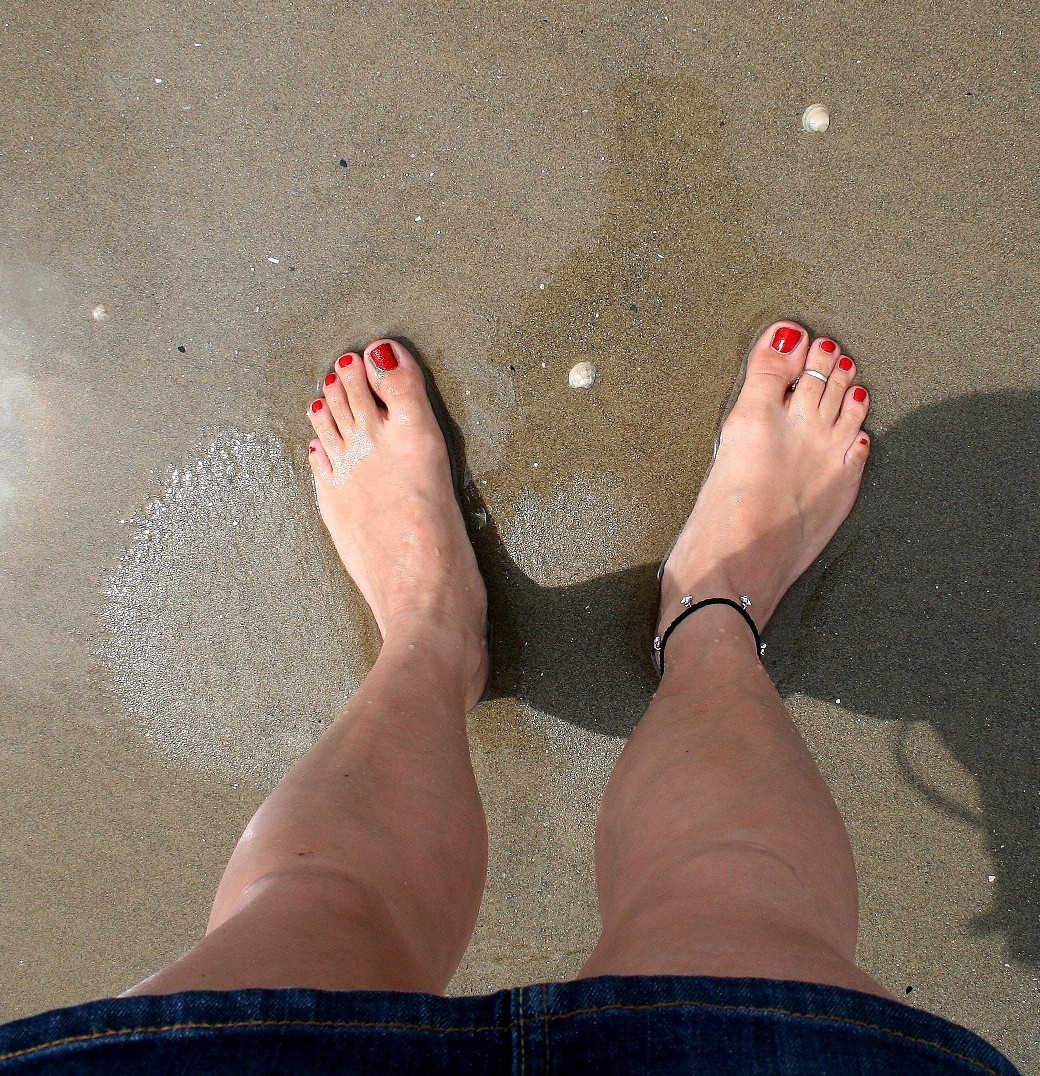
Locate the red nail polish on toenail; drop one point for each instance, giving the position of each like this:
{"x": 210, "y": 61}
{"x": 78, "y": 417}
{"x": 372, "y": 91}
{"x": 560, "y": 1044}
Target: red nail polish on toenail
{"x": 316, "y": 406}
{"x": 786, "y": 339}
{"x": 845, "y": 363}
{"x": 311, "y": 449}
{"x": 864, "y": 441}
{"x": 383, "y": 357}
{"x": 859, "y": 395}
{"x": 344, "y": 360}
{"x": 330, "y": 379}
{"x": 829, "y": 346}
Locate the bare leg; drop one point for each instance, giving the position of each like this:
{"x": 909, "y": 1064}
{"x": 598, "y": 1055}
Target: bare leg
{"x": 365, "y": 867}
{"x": 719, "y": 849}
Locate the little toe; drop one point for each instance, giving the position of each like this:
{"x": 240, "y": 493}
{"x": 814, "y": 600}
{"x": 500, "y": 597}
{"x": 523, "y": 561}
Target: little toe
{"x": 837, "y": 385}
{"x": 775, "y": 361}
{"x": 324, "y": 425}
{"x": 336, "y": 399}
{"x": 857, "y": 453}
{"x": 397, "y": 379}
{"x": 364, "y": 407}
{"x": 321, "y": 465}
{"x": 814, "y": 377}
{"x": 854, "y": 406}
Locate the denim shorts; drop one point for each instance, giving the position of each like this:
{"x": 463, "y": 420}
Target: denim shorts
{"x": 609, "y": 1025}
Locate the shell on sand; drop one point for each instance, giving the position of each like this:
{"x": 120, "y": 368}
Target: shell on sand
{"x": 583, "y": 375}
{"x": 816, "y": 118}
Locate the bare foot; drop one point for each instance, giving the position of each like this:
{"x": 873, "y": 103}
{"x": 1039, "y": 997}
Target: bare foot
{"x": 786, "y": 476}
{"x": 385, "y": 494}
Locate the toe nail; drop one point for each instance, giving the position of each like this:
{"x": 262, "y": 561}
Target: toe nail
{"x": 330, "y": 379}
{"x": 383, "y": 357}
{"x": 864, "y": 441}
{"x": 311, "y": 449}
{"x": 316, "y": 406}
{"x": 859, "y": 395}
{"x": 845, "y": 363}
{"x": 829, "y": 346}
{"x": 344, "y": 360}
{"x": 786, "y": 340}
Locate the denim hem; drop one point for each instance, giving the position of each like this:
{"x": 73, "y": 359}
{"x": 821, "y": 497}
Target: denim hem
{"x": 609, "y": 1024}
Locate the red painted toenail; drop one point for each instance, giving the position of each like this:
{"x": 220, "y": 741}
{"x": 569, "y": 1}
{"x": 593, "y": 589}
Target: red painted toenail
{"x": 829, "y": 346}
{"x": 383, "y": 357}
{"x": 859, "y": 395}
{"x": 311, "y": 449}
{"x": 344, "y": 360}
{"x": 786, "y": 339}
{"x": 316, "y": 406}
{"x": 845, "y": 363}
{"x": 864, "y": 441}
{"x": 330, "y": 379}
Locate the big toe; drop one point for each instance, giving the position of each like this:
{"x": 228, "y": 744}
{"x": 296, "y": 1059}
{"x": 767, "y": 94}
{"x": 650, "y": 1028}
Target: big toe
{"x": 397, "y": 379}
{"x": 776, "y": 359}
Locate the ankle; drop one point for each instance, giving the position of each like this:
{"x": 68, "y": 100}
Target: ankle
{"x": 437, "y": 625}
{"x": 712, "y": 642}
{"x": 450, "y": 655}
{"x": 713, "y": 583}
{"x": 760, "y": 593}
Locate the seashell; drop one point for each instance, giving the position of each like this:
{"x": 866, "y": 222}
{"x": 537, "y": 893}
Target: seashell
{"x": 816, "y": 118}
{"x": 583, "y": 375}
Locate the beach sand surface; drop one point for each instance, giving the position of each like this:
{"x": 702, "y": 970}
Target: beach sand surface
{"x": 205, "y": 204}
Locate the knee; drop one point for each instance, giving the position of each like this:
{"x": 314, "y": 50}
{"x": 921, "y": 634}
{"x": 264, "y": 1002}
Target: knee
{"x": 347, "y": 913}
{"x": 745, "y": 880}
{"x": 309, "y": 891}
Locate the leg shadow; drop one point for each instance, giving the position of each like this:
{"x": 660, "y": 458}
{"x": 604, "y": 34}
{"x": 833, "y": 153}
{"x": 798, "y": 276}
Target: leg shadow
{"x": 930, "y": 616}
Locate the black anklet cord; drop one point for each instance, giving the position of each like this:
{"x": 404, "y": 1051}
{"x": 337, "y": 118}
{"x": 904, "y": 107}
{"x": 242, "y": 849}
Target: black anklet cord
{"x": 660, "y": 643}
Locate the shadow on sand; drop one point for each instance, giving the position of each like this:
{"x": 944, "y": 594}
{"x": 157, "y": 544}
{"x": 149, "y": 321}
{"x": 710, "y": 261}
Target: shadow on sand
{"x": 924, "y": 611}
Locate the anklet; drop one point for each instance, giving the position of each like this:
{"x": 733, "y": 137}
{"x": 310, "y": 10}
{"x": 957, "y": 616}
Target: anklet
{"x": 742, "y": 608}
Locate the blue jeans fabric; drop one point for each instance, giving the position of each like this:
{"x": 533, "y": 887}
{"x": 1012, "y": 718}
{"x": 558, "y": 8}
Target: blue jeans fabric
{"x": 654, "y": 1024}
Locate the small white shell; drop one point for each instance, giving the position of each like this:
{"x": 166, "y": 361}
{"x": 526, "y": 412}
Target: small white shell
{"x": 816, "y": 118}
{"x": 583, "y": 375}
{"x": 99, "y": 313}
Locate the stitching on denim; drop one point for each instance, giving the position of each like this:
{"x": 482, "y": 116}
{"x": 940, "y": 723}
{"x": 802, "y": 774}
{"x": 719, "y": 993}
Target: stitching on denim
{"x": 359, "y": 1024}
{"x": 779, "y": 1012}
{"x": 239, "y": 1025}
{"x": 545, "y": 1023}
{"x": 523, "y": 1035}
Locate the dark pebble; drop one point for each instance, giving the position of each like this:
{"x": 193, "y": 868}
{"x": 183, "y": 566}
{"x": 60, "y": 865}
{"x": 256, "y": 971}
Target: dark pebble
{"x": 181, "y": 348}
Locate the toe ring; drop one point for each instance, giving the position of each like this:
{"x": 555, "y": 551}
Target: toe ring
{"x": 816, "y": 374}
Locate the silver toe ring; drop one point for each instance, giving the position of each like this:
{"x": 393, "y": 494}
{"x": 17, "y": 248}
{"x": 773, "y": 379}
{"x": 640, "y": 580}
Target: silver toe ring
{"x": 816, "y": 374}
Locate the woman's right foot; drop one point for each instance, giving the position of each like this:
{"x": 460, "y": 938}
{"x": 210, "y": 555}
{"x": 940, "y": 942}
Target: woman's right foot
{"x": 786, "y": 476}
{"x": 385, "y": 493}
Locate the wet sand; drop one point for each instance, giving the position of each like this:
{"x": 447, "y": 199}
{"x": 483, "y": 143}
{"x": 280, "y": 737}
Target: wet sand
{"x": 247, "y": 190}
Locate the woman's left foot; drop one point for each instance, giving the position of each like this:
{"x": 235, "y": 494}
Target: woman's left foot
{"x": 787, "y": 474}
